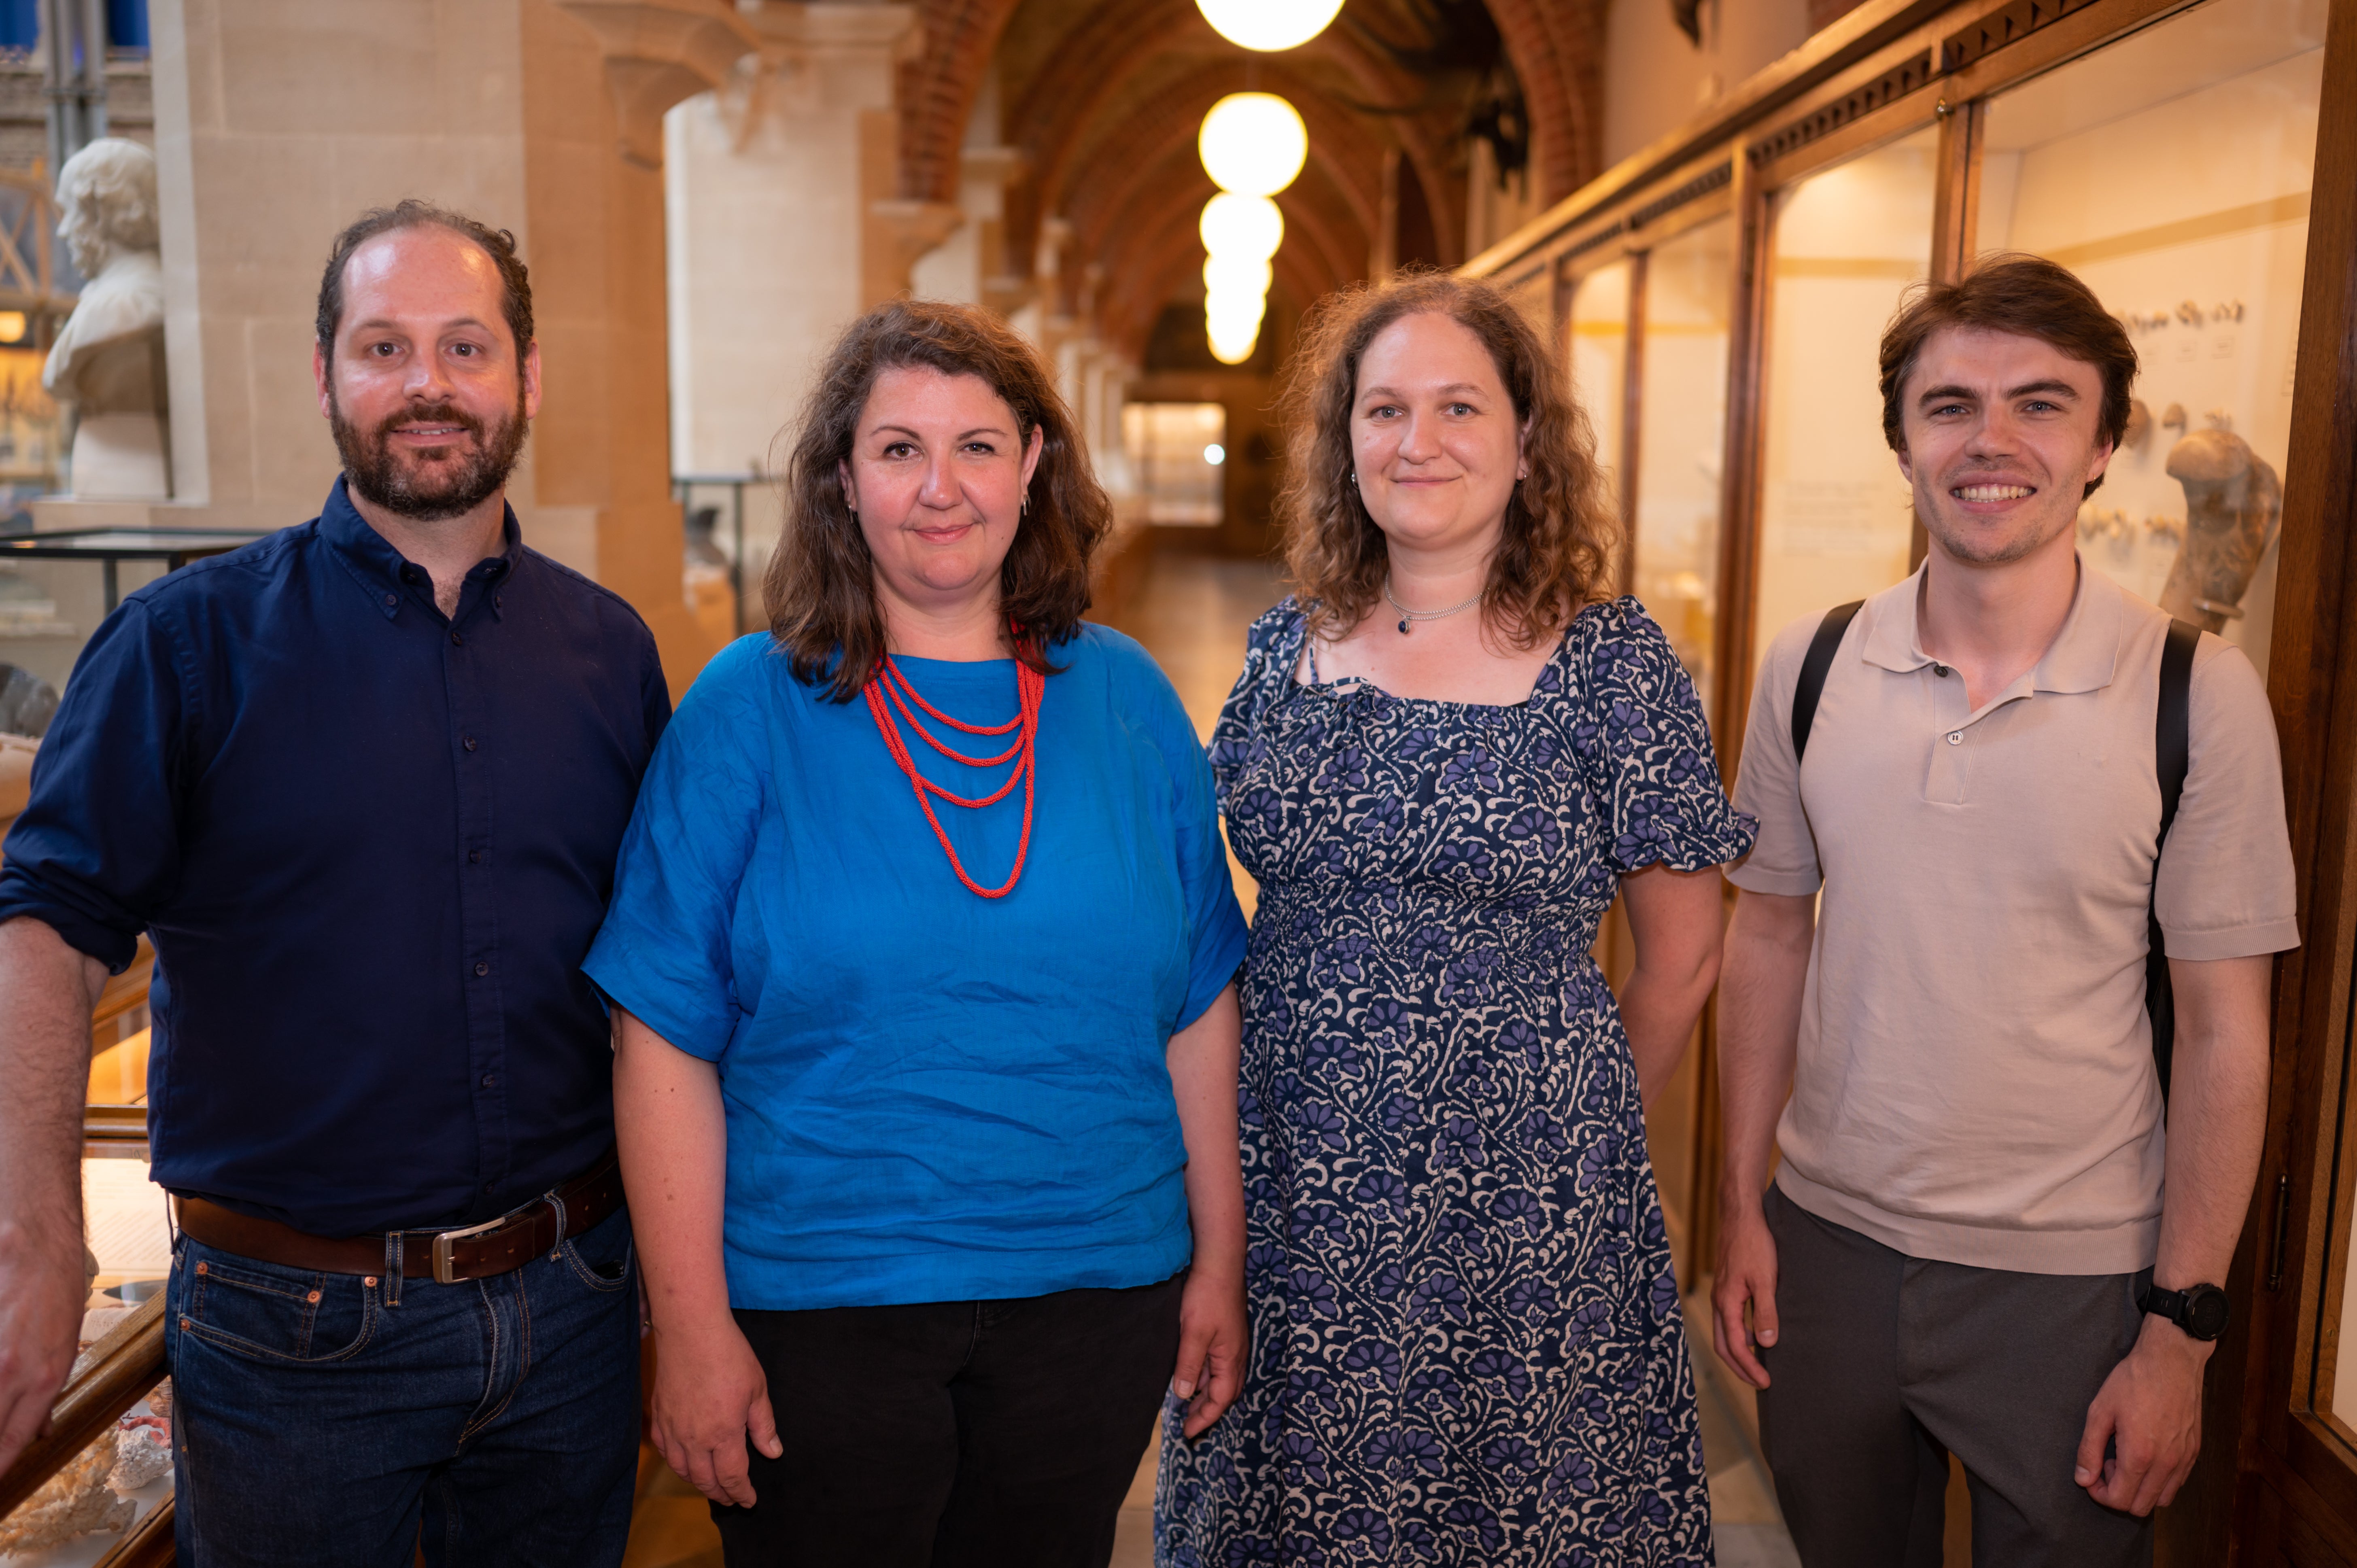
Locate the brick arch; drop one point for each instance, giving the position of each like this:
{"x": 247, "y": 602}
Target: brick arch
{"x": 1557, "y": 49}
{"x": 1097, "y": 62}
{"x": 938, "y": 87}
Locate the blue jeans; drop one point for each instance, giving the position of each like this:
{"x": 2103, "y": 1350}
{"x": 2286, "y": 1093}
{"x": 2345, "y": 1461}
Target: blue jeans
{"x": 319, "y": 1418}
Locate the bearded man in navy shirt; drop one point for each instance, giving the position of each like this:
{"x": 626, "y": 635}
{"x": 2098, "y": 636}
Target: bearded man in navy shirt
{"x": 363, "y": 783}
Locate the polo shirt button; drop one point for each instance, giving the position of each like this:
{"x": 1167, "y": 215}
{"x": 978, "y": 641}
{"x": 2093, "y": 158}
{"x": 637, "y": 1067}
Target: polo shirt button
{"x": 490, "y": 1080}
{"x": 391, "y": 599}
{"x": 481, "y": 970}
{"x": 474, "y": 858}
{"x": 1941, "y": 671}
{"x": 1955, "y": 737}
{"x": 458, "y": 640}
{"x": 470, "y": 742}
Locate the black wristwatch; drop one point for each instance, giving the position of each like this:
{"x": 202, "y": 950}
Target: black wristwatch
{"x": 2200, "y": 1310}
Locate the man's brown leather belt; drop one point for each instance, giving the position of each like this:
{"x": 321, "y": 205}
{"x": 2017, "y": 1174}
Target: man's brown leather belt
{"x": 476, "y": 1253}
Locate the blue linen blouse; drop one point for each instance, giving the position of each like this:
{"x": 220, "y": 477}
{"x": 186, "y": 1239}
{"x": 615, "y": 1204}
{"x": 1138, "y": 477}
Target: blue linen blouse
{"x": 931, "y": 1096}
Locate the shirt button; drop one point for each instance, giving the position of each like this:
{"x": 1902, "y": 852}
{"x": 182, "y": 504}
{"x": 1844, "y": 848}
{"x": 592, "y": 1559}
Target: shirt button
{"x": 391, "y": 599}
{"x": 458, "y": 640}
{"x": 481, "y": 970}
{"x": 474, "y": 858}
{"x": 1955, "y": 737}
{"x": 490, "y": 1080}
{"x": 470, "y": 742}
{"x": 1941, "y": 671}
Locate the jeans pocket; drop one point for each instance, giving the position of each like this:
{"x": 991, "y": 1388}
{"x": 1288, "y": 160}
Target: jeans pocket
{"x": 271, "y": 1313}
{"x": 602, "y": 1255}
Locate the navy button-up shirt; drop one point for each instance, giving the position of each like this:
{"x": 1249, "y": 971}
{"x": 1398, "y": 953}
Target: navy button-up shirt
{"x": 370, "y": 844}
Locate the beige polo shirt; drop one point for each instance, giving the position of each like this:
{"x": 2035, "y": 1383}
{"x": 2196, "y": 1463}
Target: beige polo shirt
{"x": 1974, "y": 1081}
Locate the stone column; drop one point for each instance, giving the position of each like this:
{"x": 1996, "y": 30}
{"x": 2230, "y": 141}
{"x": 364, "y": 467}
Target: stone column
{"x": 279, "y": 121}
{"x": 784, "y": 220}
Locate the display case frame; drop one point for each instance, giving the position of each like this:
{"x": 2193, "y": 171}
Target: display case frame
{"x": 2278, "y": 1481}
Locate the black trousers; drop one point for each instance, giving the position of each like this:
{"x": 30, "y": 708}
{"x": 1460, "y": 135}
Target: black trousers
{"x": 1884, "y": 1364}
{"x": 954, "y": 1435}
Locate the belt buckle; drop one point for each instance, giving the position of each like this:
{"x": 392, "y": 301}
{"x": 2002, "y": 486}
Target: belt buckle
{"x": 443, "y": 1274}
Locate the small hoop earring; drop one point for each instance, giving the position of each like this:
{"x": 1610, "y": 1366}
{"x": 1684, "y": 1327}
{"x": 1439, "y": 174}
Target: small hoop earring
{"x": 1023, "y": 505}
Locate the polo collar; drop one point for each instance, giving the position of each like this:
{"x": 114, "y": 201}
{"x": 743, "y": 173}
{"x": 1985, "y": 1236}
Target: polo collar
{"x": 384, "y": 570}
{"x": 2083, "y": 658}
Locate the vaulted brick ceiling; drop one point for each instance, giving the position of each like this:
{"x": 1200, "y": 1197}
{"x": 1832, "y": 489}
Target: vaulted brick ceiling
{"x": 1104, "y": 98}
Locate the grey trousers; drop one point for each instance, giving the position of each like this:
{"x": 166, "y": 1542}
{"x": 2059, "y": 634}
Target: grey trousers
{"x": 1885, "y": 1364}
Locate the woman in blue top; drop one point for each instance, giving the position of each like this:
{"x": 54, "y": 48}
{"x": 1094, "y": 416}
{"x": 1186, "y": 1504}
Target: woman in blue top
{"x": 920, "y": 949}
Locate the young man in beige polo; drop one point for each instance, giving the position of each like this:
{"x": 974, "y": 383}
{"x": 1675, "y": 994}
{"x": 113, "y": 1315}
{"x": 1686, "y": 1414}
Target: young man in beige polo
{"x": 1980, "y": 1238}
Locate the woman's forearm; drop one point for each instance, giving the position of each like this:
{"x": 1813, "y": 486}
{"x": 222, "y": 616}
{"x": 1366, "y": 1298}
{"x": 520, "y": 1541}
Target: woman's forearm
{"x": 1674, "y": 918}
{"x": 1659, "y": 1011}
{"x": 673, "y": 1136}
{"x": 1202, "y": 1059}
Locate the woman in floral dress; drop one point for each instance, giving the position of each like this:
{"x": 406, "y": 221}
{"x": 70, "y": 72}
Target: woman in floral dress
{"x": 1443, "y": 758}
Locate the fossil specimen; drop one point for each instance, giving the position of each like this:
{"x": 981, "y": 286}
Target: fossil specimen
{"x": 2139, "y": 429}
{"x": 2232, "y": 500}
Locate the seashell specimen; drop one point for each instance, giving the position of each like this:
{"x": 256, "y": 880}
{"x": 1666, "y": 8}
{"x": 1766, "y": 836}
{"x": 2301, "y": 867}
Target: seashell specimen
{"x": 2232, "y": 502}
{"x": 143, "y": 1452}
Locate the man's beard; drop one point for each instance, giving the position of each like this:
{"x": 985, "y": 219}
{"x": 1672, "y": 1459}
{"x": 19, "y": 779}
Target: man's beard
{"x": 438, "y": 490}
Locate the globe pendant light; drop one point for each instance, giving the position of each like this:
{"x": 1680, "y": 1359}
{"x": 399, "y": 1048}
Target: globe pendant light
{"x": 1236, "y": 275}
{"x": 1253, "y": 144}
{"x": 1237, "y": 225}
{"x": 1268, "y": 24}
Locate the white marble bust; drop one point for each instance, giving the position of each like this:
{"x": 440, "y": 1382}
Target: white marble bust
{"x": 108, "y": 362}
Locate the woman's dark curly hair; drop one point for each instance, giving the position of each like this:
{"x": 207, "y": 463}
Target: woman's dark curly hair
{"x": 821, "y": 583}
{"x": 1556, "y": 554}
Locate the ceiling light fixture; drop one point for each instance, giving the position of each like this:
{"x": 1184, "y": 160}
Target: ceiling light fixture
{"x": 1269, "y": 25}
{"x": 1253, "y": 144}
{"x": 1248, "y": 226}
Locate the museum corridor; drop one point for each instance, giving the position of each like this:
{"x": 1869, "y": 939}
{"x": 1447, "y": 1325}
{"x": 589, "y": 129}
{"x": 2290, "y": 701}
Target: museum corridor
{"x": 483, "y": 918}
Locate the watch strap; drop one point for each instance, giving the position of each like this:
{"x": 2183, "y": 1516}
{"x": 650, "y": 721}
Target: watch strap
{"x": 2178, "y": 1307}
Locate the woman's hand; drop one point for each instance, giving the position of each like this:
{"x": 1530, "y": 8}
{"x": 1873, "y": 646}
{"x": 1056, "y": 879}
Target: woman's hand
{"x": 1214, "y": 1333}
{"x": 1214, "y": 1342}
{"x": 709, "y": 1392}
{"x": 709, "y": 1387}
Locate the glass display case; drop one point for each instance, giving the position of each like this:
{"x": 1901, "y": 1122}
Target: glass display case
{"x": 2170, "y": 173}
{"x": 1597, "y": 356}
{"x": 1678, "y": 475}
{"x": 1836, "y": 518}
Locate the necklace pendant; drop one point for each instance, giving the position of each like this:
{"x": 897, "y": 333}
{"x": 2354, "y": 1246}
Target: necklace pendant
{"x": 1403, "y": 626}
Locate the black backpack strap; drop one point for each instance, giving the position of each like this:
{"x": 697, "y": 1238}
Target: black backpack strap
{"x": 1814, "y": 668}
{"x": 2172, "y": 754}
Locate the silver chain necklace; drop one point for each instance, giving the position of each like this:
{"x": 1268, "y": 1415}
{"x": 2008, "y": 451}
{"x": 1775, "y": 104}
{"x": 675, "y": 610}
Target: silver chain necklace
{"x": 1407, "y": 614}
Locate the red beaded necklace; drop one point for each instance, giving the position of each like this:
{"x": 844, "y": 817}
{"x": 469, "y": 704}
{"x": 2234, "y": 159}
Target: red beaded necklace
{"x": 889, "y": 689}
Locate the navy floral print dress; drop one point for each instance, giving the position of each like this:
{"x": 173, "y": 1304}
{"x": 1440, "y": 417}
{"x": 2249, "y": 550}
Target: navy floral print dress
{"x": 1467, "y": 1346}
